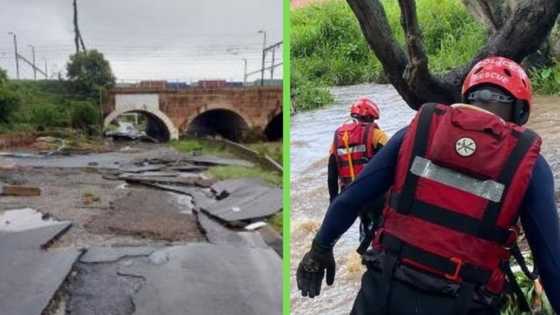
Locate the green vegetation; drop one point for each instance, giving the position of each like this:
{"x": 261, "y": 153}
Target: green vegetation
{"x": 536, "y": 297}
{"x": 272, "y": 149}
{"x": 276, "y": 222}
{"x": 328, "y": 47}
{"x": 201, "y": 146}
{"x": 42, "y": 105}
{"x": 546, "y": 81}
{"x": 228, "y": 172}
{"x": 89, "y": 73}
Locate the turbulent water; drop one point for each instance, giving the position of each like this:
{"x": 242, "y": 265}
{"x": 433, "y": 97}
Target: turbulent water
{"x": 311, "y": 136}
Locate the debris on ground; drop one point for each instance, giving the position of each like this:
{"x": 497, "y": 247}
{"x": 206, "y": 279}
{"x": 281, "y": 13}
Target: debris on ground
{"x": 100, "y": 254}
{"x": 31, "y": 276}
{"x": 150, "y": 214}
{"x": 19, "y": 191}
{"x": 210, "y": 160}
{"x": 218, "y": 234}
{"x": 134, "y": 234}
{"x": 246, "y": 200}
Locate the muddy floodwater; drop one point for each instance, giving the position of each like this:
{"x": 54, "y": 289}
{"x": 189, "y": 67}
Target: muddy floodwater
{"x": 311, "y": 137}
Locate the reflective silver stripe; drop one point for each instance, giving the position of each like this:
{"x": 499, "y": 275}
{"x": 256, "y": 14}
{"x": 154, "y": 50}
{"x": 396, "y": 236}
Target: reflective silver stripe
{"x": 353, "y": 149}
{"x": 487, "y": 189}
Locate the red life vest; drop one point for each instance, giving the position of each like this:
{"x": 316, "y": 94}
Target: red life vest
{"x": 353, "y": 149}
{"x": 460, "y": 179}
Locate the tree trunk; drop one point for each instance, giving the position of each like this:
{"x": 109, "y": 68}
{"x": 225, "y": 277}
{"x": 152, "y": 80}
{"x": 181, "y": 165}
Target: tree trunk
{"x": 515, "y": 37}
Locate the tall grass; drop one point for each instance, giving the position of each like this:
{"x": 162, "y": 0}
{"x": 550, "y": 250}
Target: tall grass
{"x": 328, "y": 47}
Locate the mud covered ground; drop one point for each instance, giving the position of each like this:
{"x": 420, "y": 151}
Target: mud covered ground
{"x": 311, "y": 135}
{"x": 118, "y": 224}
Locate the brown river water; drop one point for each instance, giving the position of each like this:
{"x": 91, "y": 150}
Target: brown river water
{"x": 311, "y": 136}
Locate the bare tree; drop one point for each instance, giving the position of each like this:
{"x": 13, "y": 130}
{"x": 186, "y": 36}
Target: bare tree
{"x": 77, "y": 35}
{"x": 515, "y": 36}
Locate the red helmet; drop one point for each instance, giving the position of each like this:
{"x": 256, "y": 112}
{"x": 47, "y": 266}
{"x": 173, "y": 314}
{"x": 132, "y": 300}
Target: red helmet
{"x": 505, "y": 73}
{"x": 365, "y": 108}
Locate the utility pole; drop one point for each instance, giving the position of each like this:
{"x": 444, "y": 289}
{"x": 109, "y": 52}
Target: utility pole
{"x": 245, "y": 71}
{"x": 272, "y": 64}
{"x": 263, "y": 55}
{"x": 46, "y": 70}
{"x": 34, "y": 65}
{"x": 15, "y": 53}
{"x": 77, "y": 35}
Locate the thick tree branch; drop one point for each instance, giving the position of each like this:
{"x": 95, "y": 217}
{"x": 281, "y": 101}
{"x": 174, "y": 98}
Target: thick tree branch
{"x": 417, "y": 68}
{"x": 520, "y": 35}
{"x": 375, "y": 27}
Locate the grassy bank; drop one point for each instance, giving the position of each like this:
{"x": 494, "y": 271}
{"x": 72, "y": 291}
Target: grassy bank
{"x": 227, "y": 172}
{"x": 42, "y": 105}
{"x": 328, "y": 47}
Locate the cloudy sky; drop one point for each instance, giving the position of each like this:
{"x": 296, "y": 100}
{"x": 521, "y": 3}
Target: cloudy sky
{"x": 185, "y": 40}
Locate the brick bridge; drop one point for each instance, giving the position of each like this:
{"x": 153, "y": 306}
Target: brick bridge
{"x": 227, "y": 111}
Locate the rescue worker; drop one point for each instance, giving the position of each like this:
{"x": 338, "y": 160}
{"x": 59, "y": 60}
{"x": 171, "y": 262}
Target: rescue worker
{"x": 460, "y": 177}
{"x": 354, "y": 144}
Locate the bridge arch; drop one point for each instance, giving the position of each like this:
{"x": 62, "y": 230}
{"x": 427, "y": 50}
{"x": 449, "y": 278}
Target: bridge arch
{"x": 224, "y": 120}
{"x": 159, "y": 121}
{"x": 273, "y": 130}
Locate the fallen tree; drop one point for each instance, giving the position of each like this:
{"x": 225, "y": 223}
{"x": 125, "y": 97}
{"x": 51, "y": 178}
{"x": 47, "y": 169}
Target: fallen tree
{"x": 520, "y": 33}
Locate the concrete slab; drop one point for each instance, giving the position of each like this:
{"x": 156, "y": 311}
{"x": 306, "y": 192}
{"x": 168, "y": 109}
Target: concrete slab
{"x": 159, "y": 174}
{"x": 272, "y": 239}
{"x": 30, "y": 278}
{"x": 247, "y": 203}
{"x": 186, "y": 181}
{"x": 218, "y": 234}
{"x": 198, "y": 195}
{"x": 114, "y": 254}
{"x": 188, "y": 168}
{"x": 224, "y": 188}
{"x": 208, "y": 279}
{"x": 24, "y": 219}
{"x": 19, "y": 191}
{"x": 140, "y": 169}
{"x": 36, "y": 238}
{"x": 211, "y": 160}
{"x": 99, "y": 289}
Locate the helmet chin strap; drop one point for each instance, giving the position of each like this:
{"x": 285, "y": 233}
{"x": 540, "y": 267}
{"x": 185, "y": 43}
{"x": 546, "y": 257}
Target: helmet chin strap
{"x": 520, "y": 113}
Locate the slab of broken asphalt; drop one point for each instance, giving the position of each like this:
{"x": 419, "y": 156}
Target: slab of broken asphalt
{"x": 208, "y": 279}
{"x": 99, "y": 274}
{"x": 26, "y": 286}
{"x": 247, "y": 200}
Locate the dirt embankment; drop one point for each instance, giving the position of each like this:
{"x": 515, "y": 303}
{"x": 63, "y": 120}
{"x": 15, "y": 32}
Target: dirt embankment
{"x": 16, "y": 140}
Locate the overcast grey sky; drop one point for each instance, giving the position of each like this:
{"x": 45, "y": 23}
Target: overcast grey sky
{"x": 144, "y": 39}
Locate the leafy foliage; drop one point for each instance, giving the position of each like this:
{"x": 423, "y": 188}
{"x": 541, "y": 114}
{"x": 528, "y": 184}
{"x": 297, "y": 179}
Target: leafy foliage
{"x": 84, "y": 115}
{"x": 89, "y": 72}
{"x": 328, "y": 47}
{"x": 9, "y": 103}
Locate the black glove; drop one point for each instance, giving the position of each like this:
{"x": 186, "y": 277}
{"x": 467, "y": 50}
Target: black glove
{"x": 311, "y": 270}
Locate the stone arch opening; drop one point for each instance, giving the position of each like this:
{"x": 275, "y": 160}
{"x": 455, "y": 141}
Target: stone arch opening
{"x": 222, "y": 122}
{"x": 273, "y": 130}
{"x": 153, "y": 124}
